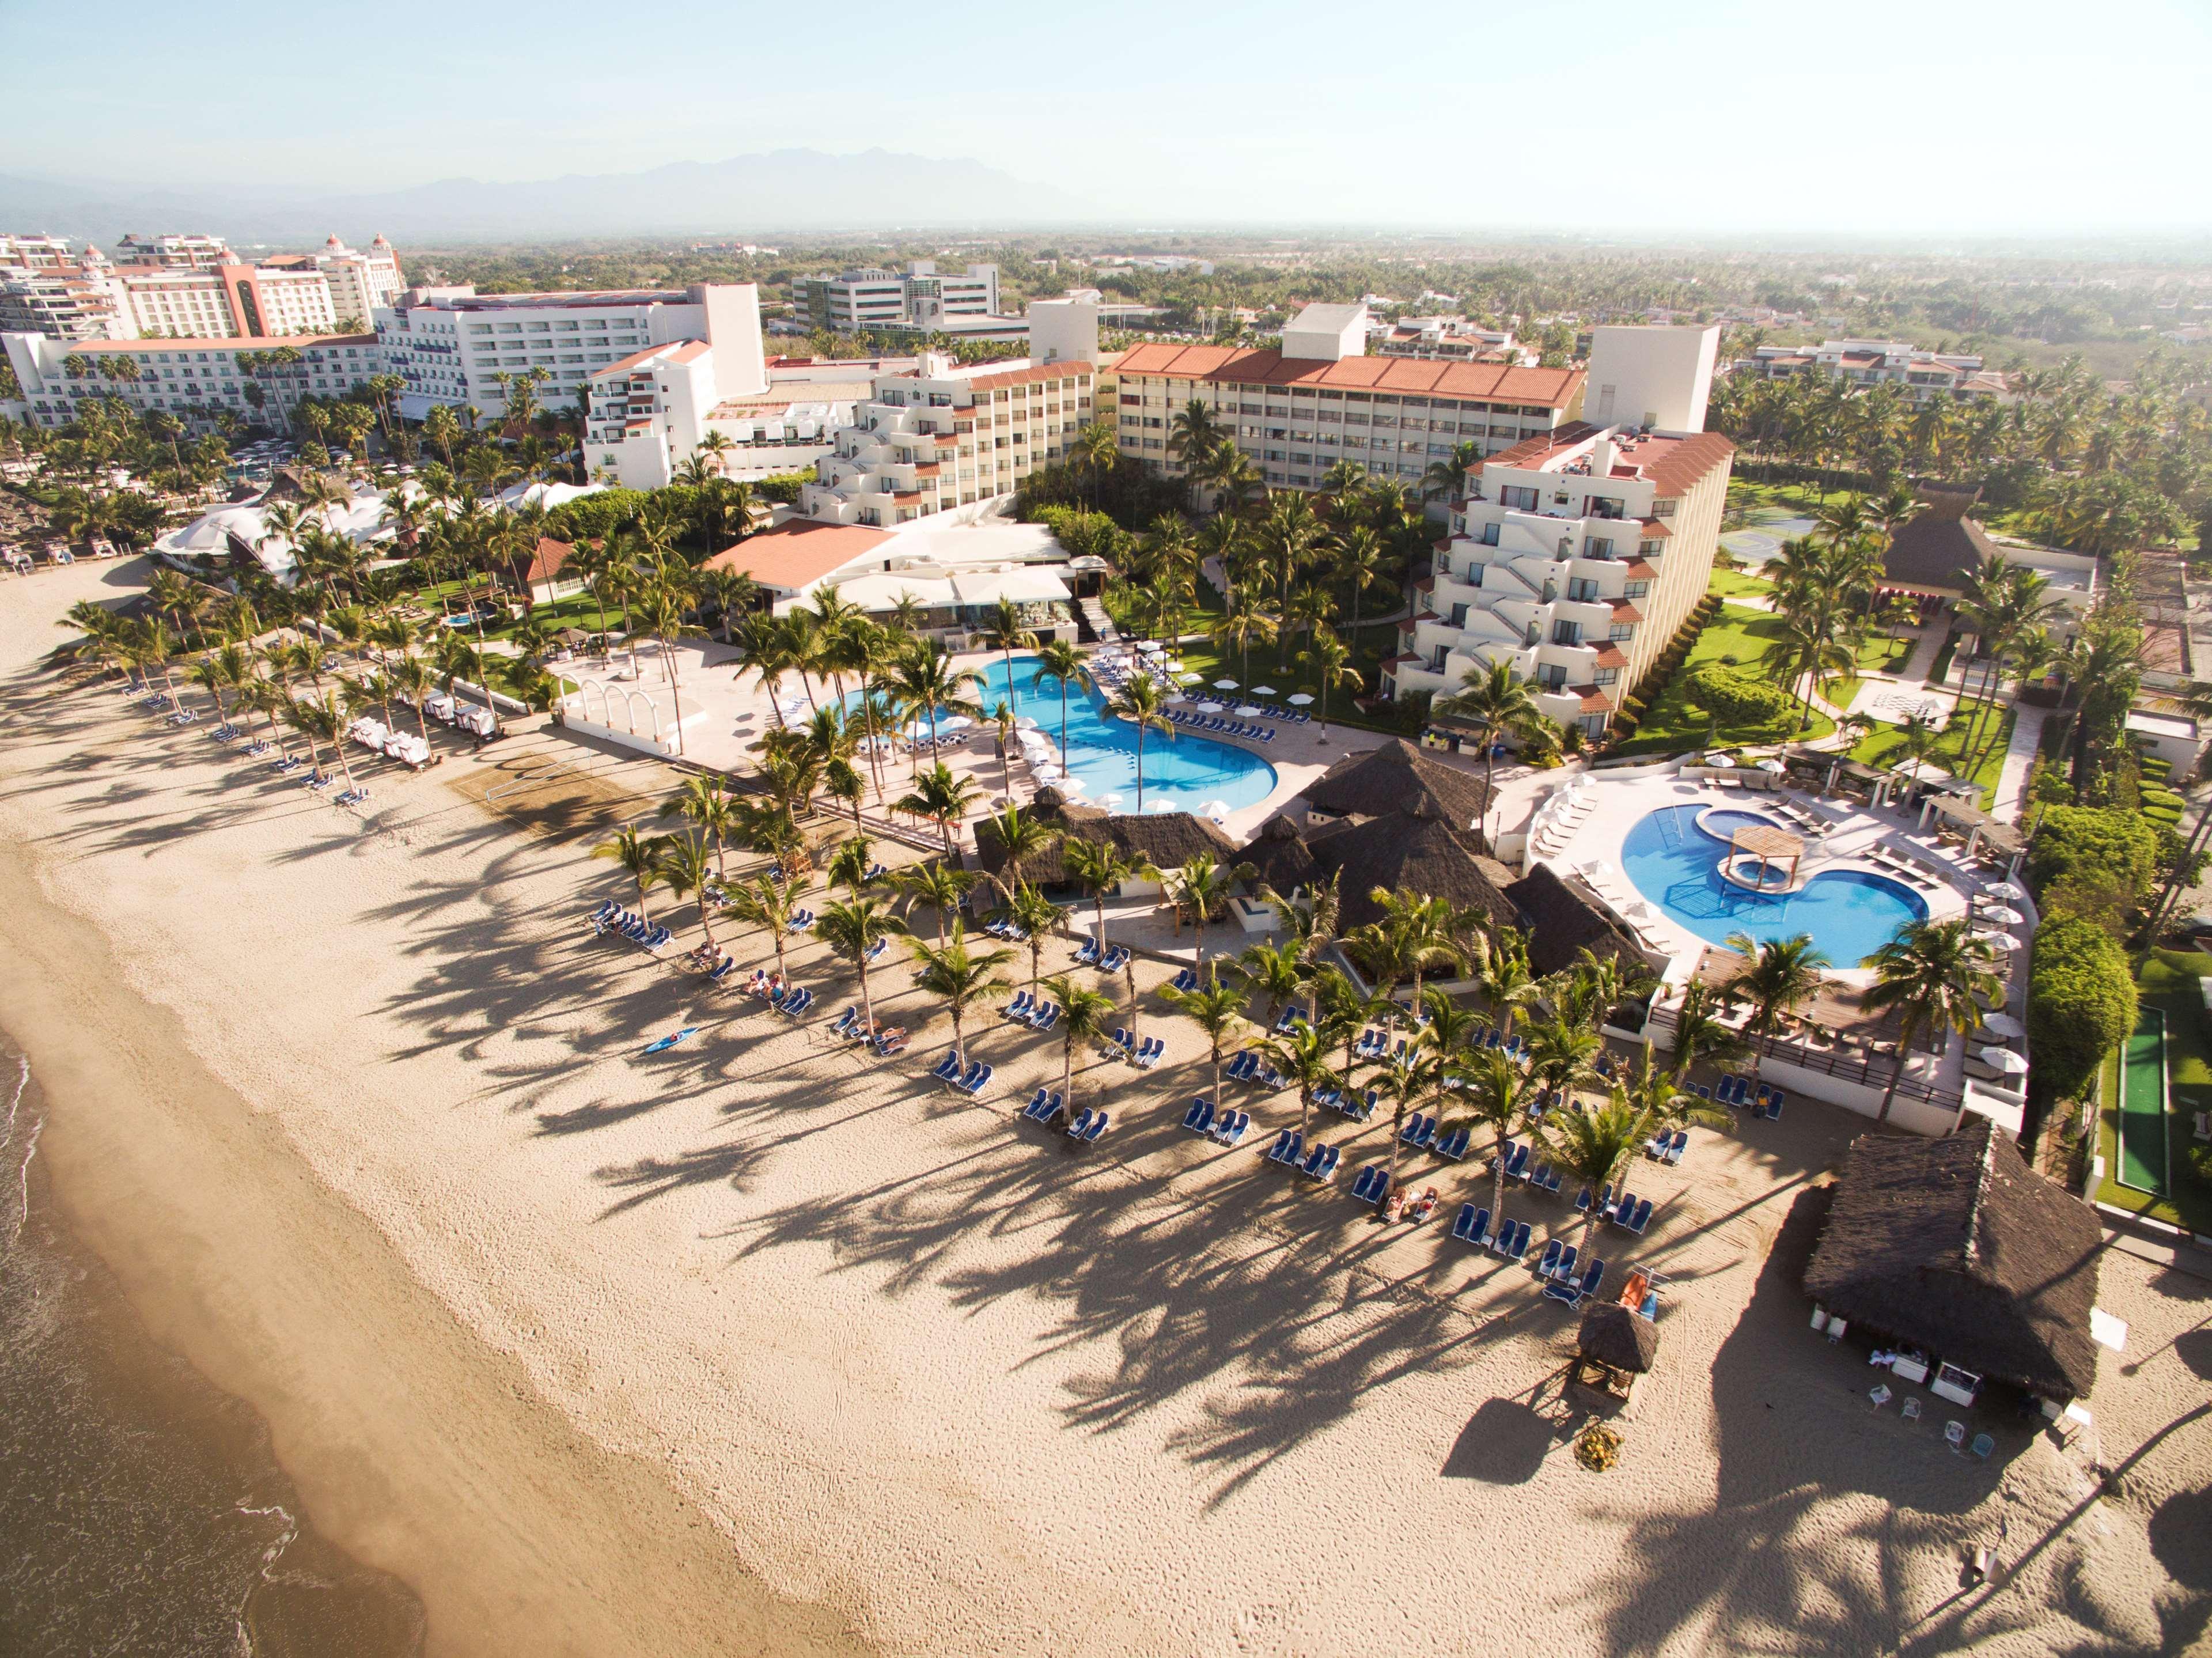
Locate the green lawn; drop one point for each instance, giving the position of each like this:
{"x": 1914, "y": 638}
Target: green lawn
{"x": 1737, "y": 635}
{"x": 1746, "y": 500}
{"x": 1883, "y": 653}
{"x": 2167, "y": 980}
{"x": 1885, "y": 748}
{"x": 1734, "y": 584}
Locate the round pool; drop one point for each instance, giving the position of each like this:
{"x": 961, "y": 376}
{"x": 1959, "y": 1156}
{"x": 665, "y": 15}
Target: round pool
{"x": 1673, "y": 857}
{"x": 1187, "y": 771}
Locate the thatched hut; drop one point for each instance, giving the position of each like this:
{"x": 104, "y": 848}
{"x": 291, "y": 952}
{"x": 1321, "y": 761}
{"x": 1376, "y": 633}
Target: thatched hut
{"x": 1562, "y": 923}
{"x": 1956, "y": 1247}
{"x": 1398, "y": 778}
{"x": 1613, "y": 1347}
{"x": 1165, "y": 838}
{"x": 1413, "y": 851}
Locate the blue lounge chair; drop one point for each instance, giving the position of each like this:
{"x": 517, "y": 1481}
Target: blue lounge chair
{"x": 847, "y": 1019}
{"x": 947, "y": 1069}
{"x": 1115, "y": 961}
{"x": 1678, "y": 1143}
{"x": 1367, "y": 1185}
{"x": 1086, "y": 953}
{"x": 1453, "y": 1147}
{"x": 1200, "y": 1118}
{"x": 1293, "y": 1150}
{"x": 1428, "y": 1139}
{"x": 1229, "y": 1128}
{"x": 1081, "y": 1122}
{"x": 1311, "y": 1162}
{"x": 1772, "y": 1109}
{"x": 1472, "y": 1225}
{"x": 1090, "y": 1136}
{"x": 1583, "y": 1200}
{"x": 728, "y": 966}
{"x": 1186, "y": 980}
{"x": 1275, "y": 1153}
{"x": 1565, "y": 1269}
{"x": 1020, "y": 1006}
{"x": 1046, "y": 1020}
{"x": 1617, "y": 1209}
{"x": 976, "y": 1081}
{"x": 1550, "y": 1263}
{"x": 1516, "y": 1161}
{"x": 1326, "y": 1172}
{"x": 1411, "y": 1133}
{"x": 1642, "y": 1219}
{"x": 1512, "y": 1241}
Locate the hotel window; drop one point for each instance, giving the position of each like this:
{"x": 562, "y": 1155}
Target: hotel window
{"x": 1621, "y": 631}
{"x": 1637, "y": 589}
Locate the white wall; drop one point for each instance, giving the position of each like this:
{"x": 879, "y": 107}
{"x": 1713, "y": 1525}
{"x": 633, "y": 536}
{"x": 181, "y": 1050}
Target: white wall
{"x": 1063, "y": 330}
{"x": 733, "y": 327}
{"x": 1660, "y": 377}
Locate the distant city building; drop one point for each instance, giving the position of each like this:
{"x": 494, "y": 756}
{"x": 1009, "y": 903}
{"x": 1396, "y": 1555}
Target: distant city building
{"x": 1319, "y": 400}
{"x": 449, "y": 345}
{"x": 192, "y": 252}
{"x": 192, "y": 378}
{"x": 45, "y": 289}
{"x": 918, "y": 300}
{"x": 1165, "y": 263}
{"x": 35, "y": 252}
{"x": 1445, "y": 339}
{"x": 1577, "y": 555}
{"x": 946, "y": 437}
{"x": 186, "y": 287}
{"x": 360, "y": 283}
{"x": 1920, "y": 374}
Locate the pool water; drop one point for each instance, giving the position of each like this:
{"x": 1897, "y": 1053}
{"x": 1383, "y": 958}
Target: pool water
{"x": 1675, "y": 865}
{"x": 1186, "y": 771}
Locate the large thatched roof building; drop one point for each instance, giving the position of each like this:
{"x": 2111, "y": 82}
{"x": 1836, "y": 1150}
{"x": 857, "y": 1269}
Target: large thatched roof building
{"x": 1562, "y": 923}
{"x": 1165, "y": 838}
{"x": 1398, "y": 778}
{"x": 1940, "y": 548}
{"x": 1956, "y": 1245}
{"x": 1416, "y": 851}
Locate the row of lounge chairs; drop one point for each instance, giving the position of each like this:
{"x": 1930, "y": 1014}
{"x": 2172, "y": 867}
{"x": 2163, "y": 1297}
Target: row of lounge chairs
{"x": 611, "y": 917}
{"x": 1224, "y": 1125}
{"x": 1426, "y": 1134}
{"x": 1348, "y": 1102}
{"x": 1542, "y": 1178}
{"x": 1143, "y": 1053}
{"x": 1112, "y": 960}
{"x": 1025, "y": 1009}
{"x": 851, "y": 1026}
{"x": 1910, "y": 868}
{"x": 1087, "y": 1127}
{"x": 1317, "y": 1162}
{"x": 1219, "y": 725}
{"x": 1618, "y": 1208}
{"x": 971, "y": 1082}
{"x": 1664, "y": 1147}
{"x": 1251, "y": 1066}
{"x": 1765, "y": 1099}
{"x": 1007, "y": 931}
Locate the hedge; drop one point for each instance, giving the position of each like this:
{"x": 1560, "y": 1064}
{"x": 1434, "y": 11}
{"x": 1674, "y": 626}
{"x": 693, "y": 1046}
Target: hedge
{"x": 2121, "y": 845}
{"x": 1733, "y": 698}
{"x": 2080, "y": 1003}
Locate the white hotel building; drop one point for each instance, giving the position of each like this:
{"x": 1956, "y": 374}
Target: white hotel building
{"x": 189, "y": 378}
{"x": 1577, "y": 555}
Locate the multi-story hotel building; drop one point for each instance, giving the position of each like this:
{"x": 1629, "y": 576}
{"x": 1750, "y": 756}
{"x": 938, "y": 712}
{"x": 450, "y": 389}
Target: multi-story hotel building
{"x": 360, "y": 282}
{"x": 188, "y": 377}
{"x": 60, "y": 297}
{"x": 945, "y": 437}
{"x": 277, "y": 300}
{"x": 919, "y": 297}
{"x": 1919, "y": 374}
{"x": 35, "y": 252}
{"x": 192, "y": 252}
{"x": 1577, "y": 554}
{"x": 450, "y": 344}
{"x": 187, "y": 288}
{"x": 1320, "y": 400}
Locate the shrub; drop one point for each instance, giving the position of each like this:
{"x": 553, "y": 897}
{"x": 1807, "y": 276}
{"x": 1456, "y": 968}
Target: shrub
{"x": 2200, "y": 1163}
{"x": 2095, "y": 838}
{"x": 1736, "y": 699}
{"x": 593, "y": 517}
{"x": 1597, "y": 1448}
{"x": 2080, "y": 1003}
{"x": 782, "y": 488}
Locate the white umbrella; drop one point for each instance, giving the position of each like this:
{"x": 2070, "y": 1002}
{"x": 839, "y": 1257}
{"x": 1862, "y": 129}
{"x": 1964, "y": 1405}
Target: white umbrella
{"x": 1189, "y": 678}
{"x": 1111, "y": 799}
{"x": 2003, "y": 915}
{"x": 1215, "y": 805}
{"x": 1177, "y": 697}
{"x": 959, "y": 722}
{"x": 2004, "y": 1060}
{"x": 1073, "y": 785}
{"x": 1722, "y": 761}
{"x": 1162, "y": 804}
{"x": 1771, "y": 764}
{"x": 1026, "y": 724}
{"x": 1209, "y": 707}
{"x": 1300, "y": 701}
{"x": 1263, "y": 690}
{"x": 2011, "y": 890}
{"x": 1999, "y": 940}
{"x": 1246, "y": 711}
{"x": 1225, "y": 685}
{"x": 2004, "y": 1025}
{"x": 1150, "y": 645}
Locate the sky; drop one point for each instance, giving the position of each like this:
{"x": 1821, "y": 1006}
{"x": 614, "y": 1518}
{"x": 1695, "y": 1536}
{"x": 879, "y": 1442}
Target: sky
{"x": 1935, "y": 118}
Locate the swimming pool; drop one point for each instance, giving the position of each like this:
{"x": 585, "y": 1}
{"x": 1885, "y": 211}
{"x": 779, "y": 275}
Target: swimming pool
{"x": 1186, "y": 771}
{"x": 1675, "y": 865}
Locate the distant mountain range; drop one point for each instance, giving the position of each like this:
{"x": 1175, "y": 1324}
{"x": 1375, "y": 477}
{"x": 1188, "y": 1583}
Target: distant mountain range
{"x": 750, "y": 197}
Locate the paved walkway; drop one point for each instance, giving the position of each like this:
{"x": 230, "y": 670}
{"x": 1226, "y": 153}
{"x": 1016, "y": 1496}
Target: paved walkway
{"x": 1922, "y": 662}
{"x": 2020, "y": 757}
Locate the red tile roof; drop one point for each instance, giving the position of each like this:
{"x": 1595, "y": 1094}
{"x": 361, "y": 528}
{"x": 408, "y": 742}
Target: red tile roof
{"x": 1654, "y": 528}
{"x": 1624, "y": 611}
{"x": 798, "y": 551}
{"x": 1610, "y": 655}
{"x": 1642, "y": 567}
{"x": 1594, "y": 700}
{"x": 1552, "y": 388}
{"x": 1671, "y": 464}
{"x": 1030, "y": 376}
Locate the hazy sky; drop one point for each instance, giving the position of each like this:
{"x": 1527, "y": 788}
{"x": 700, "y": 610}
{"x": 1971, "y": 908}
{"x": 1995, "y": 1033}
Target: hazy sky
{"x": 1930, "y": 118}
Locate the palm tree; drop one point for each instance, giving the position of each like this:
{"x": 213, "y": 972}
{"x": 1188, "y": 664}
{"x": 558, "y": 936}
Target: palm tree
{"x": 1278, "y": 972}
{"x": 927, "y": 685}
{"x": 943, "y": 796}
{"x": 1777, "y": 976}
{"x": 1505, "y": 978}
{"x": 769, "y": 905}
{"x": 1496, "y": 1096}
{"x": 1005, "y": 632}
{"x": 1405, "y": 1082}
{"x": 1036, "y": 915}
{"x": 941, "y": 886}
{"x": 686, "y": 866}
{"x": 852, "y": 866}
{"x": 1930, "y": 975}
{"x": 960, "y": 977}
{"x": 1085, "y": 1011}
{"x": 703, "y": 803}
{"x": 320, "y": 719}
{"x": 1302, "y": 1056}
{"x": 207, "y": 673}
{"x": 1203, "y": 886}
{"x": 1562, "y": 1054}
{"x": 1215, "y": 1008}
{"x": 1312, "y": 929}
{"x": 1100, "y": 867}
{"x": 1330, "y": 658}
{"x": 1699, "y": 1032}
{"x": 1805, "y": 651}
{"x": 853, "y": 927}
{"x": 1060, "y": 661}
{"x": 1590, "y": 1146}
{"x": 1497, "y": 702}
{"x": 639, "y": 855}
{"x": 1140, "y": 703}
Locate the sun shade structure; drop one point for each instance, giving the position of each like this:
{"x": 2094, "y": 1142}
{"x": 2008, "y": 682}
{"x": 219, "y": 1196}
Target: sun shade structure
{"x": 1956, "y": 1245}
{"x": 1617, "y": 1342}
{"x": 1769, "y": 844}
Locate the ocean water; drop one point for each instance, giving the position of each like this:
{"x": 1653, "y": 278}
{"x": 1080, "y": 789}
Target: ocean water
{"x": 1676, "y": 864}
{"x": 1186, "y": 771}
{"x": 141, "y": 1512}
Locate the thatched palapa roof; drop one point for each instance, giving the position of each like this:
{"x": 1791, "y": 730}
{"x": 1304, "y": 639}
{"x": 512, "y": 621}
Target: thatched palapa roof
{"x": 1616, "y": 1337}
{"x": 1938, "y": 548}
{"x": 1395, "y": 778}
{"x": 1416, "y": 851}
{"x": 1562, "y": 923}
{"x": 1956, "y": 1245}
{"x": 1166, "y": 838}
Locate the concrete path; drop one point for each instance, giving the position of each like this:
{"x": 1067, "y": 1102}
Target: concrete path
{"x": 2020, "y": 757}
{"x": 1918, "y": 665}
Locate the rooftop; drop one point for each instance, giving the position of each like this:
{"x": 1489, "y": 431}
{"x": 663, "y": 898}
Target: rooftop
{"x": 798, "y": 551}
{"x": 1550, "y": 387}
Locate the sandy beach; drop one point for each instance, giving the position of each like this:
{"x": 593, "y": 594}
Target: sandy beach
{"x": 757, "y": 1346}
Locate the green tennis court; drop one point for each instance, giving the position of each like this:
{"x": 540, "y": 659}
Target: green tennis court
{"x": 2142, "y": 1106}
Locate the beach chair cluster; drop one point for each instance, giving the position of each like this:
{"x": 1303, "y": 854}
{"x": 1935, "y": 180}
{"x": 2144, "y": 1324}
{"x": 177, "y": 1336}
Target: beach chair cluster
{"x": 1185, "y": 981}
{"x": 1763, "y": 1099}
{"x": 1617, "y": 1206}
{"x": 1007, "y": 931}
{"x": 1667, "y": 1148}
{"x": 611, "y": 917}
{"x": 1472, "y": 1226}
{"x": 1143, "y": 1053}
{"x": 1222, "y": 726}
{"x": 1110, "y": 960}
{"x": 1372, "y": 1184}
{"x": 784, "y": 998}
{"x": 1348, "y": 1102}
{"x": 970, "y": 1081}
{"x": 225, "y": 732}
{"x": 1223, "y": 1125}
{"x": 1044, "y": 1106}
{"x": 1025, "y": 1009}
{"x": 851, "y": 1027}
{"x": 1087, "y": 1127}
{"x": 183, "y": 716}
{"x": 1429, "y": 1134}
{"x": 1250, "y": 1066}
{"x": 448, "y": 710}
{"x": 408, "y": 748}
{"x": 1542, "y": 1178}
{"x": 1561, "y": 1282}
{"x": 1374, "y": 1046}
{"x": 800, "y": 921}
{"x": 712, "y": 960}
{"x": 1317, "y": 1162}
